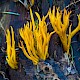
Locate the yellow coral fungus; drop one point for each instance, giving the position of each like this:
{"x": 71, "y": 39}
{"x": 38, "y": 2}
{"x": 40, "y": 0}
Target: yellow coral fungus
{"x": 60, "y": 27}
{"x": 36, "y": 39}
{"x": 11, "y": 53}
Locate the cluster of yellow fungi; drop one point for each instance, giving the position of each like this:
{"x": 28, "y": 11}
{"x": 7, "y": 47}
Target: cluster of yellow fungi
{"x": 60, "y": 27}
{"x": 36, "y": 38}
{"x": 11, "y": 53}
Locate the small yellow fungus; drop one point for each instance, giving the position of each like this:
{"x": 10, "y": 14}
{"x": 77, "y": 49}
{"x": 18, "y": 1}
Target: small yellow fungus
{"x": 32, "y": 2}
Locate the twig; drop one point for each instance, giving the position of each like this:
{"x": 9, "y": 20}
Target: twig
{"x": 78, "y": 49}
{"x": 2, "y": 27}
{"x": 3, "y": 74}
{"x": 72, "y": 4}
